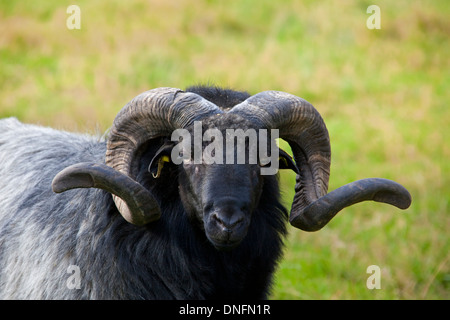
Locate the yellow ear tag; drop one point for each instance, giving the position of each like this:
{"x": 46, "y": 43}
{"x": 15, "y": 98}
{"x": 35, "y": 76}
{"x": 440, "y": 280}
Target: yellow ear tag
{"x": 160, "y": 165}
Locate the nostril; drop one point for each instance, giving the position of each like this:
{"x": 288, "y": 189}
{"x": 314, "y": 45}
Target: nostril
{"x": 220, "y": 221}
{"x": 235, "y": 222}
{"x": 215, "y": 217}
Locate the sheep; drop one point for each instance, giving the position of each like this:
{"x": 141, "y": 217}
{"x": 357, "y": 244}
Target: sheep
{"x": 118, "y": 213}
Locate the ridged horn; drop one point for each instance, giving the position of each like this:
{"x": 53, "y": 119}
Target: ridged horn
{"x": 301, "y": 125}
{"x": 138, "y": 200}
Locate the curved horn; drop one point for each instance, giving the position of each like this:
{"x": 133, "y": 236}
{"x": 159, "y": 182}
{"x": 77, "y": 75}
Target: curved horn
{"x": 301, "y": 125}
{"x": 91, "y": 175}
{"x": 154, "y": 113}
{"x": 151, "y": 114}
{"x": 320, "y": 212}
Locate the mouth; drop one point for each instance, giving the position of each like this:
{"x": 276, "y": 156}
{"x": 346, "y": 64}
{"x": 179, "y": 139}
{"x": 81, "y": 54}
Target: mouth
{"x": 224, "y": 245}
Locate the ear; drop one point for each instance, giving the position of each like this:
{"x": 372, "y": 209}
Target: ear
{"x": 161, "y": 157}
{"x": 285, "y": 161}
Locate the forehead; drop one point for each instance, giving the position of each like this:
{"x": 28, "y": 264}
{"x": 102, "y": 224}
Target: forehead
{"x": 223, "y": 121}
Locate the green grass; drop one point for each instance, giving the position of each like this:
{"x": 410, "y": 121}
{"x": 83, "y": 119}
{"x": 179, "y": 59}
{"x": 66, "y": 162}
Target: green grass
{"x": 384, "y": 95}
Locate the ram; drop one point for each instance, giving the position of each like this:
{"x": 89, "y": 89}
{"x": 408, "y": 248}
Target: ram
{"x": 131, "y": 221}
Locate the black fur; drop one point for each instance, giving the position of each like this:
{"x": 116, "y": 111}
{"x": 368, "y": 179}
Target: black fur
{"x": 223, "y": 98}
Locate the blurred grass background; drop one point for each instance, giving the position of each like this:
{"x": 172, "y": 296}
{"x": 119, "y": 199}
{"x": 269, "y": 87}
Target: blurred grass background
{"x": 384, "y": 95}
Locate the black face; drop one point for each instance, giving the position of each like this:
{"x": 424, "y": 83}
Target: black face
{"x": 220, "y": 197}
